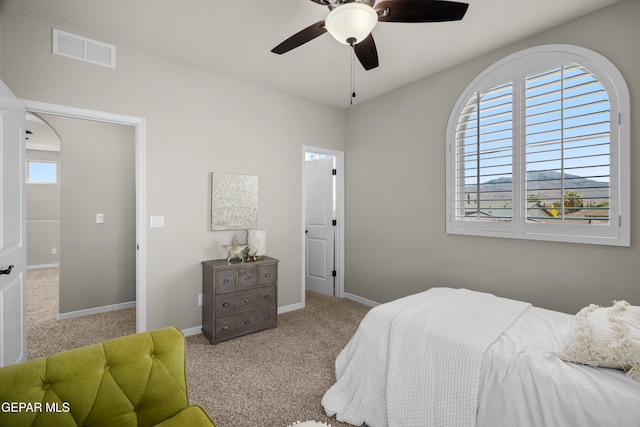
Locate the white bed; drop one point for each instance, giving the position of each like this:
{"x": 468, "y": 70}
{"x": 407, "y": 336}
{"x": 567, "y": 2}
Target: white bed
{"x": 453, "y": 357}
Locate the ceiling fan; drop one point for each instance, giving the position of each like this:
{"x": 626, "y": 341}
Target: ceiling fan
{"x": 351, "y": 21}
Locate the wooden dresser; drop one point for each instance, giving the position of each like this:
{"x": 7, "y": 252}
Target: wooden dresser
{"x": 238, "y": 298}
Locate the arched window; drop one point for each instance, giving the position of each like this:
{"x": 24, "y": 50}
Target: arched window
{"x": 538, "y": 148}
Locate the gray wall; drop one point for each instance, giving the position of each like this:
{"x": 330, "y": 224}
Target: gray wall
{"x": 43, "y": 216}
{"x": 395, "y": 232}
{"x": 97, "y": 175}
{"x": 198, "y": 121}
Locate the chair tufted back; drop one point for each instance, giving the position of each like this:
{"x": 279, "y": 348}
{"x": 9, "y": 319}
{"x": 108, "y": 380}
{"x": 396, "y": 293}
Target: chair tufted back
{"x": 137, "y": 380}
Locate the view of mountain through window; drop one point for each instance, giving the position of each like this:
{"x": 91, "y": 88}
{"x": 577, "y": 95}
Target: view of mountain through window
{"x": 566, "y": 147}
{"x": 485, "y": 153}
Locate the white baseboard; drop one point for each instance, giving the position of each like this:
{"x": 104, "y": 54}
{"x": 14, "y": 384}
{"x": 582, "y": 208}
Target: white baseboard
{"x": 96, "y": 310}
{"x": 196, "y": 330}
{"x": 347, "y": 295}
{"x": 34, "y": 267}
{"x": 361, "y": 300}
{"x": 290, "y": 307}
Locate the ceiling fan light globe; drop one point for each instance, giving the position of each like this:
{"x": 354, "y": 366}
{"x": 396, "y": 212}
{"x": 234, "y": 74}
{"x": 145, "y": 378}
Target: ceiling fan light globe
{"x": 351, "y": 21}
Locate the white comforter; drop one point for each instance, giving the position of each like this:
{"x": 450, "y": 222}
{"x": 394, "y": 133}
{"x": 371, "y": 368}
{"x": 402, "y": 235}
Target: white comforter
{"x": 417, "y": 361}
{"x": 390, "y": 375}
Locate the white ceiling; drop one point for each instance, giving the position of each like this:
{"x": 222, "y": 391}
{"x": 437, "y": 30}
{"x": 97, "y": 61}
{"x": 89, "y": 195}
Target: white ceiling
{"x": 236, "y": 36}
{"x": 40, "y": 136}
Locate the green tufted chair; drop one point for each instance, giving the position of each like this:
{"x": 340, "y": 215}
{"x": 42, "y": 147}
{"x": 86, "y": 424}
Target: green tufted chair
{"x": 137, "y": 380}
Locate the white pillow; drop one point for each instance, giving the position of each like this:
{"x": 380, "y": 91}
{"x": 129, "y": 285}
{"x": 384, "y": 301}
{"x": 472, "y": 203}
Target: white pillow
{"x": 607, "y": 337}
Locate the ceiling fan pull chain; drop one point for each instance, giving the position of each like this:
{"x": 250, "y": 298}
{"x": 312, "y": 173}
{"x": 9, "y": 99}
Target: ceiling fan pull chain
{"x": 353, "y": 75}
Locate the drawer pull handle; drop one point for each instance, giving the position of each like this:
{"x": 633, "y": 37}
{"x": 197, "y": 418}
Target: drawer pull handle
{"x": 267, "y": 275}
{"x": 225, "y": 281}
{"x": 267, "y": 296}
{"x": 246, "y": 322}
{"x": 225, "y": 328}
{"x": 267, "y": 317}
{"x": 247, "y": 278}
{"x": 225, "y": 304}
{"x": 247, "y": 300}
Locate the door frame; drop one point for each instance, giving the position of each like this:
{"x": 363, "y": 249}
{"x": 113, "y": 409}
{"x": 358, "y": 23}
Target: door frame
{"x": 139, "y": 124}
{"x": 339, "y": 235}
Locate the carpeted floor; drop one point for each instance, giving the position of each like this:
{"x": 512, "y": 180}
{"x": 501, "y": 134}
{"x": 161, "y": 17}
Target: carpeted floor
{"x": 268, "y": 379}
{"x": 46, "y": 335}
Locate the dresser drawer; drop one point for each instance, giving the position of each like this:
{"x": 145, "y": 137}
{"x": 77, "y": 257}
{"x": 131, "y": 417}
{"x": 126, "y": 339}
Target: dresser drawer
{"x": 225, "y": 281}
{"x": 246, "y": 300}
{"x": 225, "y": 304}
{"x": 225, "y": 327}
{"x": 236, "y": 324}
{"x": 267, "y": 317}
{"x": 247, "y": 278}
{"x": 267, "y": 274}
{"x": 247, "y": 322}
{"x": 267, "y": 296}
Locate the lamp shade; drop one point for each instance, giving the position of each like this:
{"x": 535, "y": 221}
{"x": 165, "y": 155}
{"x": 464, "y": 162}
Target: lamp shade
{"x": 351, "y": 23}
{"x": 257, "y": 242}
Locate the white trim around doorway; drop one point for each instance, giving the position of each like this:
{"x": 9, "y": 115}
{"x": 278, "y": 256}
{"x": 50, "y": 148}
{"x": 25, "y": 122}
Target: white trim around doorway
{"x": 141, "y": 210}
{"x": 340, "y": 182}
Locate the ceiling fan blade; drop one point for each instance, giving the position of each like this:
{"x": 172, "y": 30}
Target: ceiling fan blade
{"x": 367, "y": 53}
{"x": 321, "y": 2}
{"x": 300, "y": 38}
{"x": 420, "y": 11}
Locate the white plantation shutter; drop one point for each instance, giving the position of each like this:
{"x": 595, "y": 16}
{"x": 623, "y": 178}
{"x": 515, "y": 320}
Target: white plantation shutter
{"x": 484, "y": 153}
{"x": 537, "y": 150}
{"x": 567, "y": 146}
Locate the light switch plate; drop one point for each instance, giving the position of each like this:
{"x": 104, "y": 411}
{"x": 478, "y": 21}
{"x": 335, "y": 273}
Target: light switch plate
{"x": 156, "y": 222}
{"x": 99, "y": 218}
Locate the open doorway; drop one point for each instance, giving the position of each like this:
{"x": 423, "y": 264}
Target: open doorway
{"x": 323, "y": 221}
{"x": 138, "y": 125}
{"x": 42, "y": 171}
{"x": 80, "y": 232}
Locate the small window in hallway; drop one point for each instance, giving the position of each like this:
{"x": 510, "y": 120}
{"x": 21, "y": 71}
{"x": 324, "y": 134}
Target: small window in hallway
{"x": 42, "y": 172}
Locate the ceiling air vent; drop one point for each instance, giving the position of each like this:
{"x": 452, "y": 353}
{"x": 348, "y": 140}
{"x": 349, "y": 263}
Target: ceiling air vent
{"x": 84, "y": 49}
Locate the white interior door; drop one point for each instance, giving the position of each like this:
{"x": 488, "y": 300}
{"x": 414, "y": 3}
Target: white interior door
{"x": 319, "y": 227}
{"x": 13, "y": 254}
